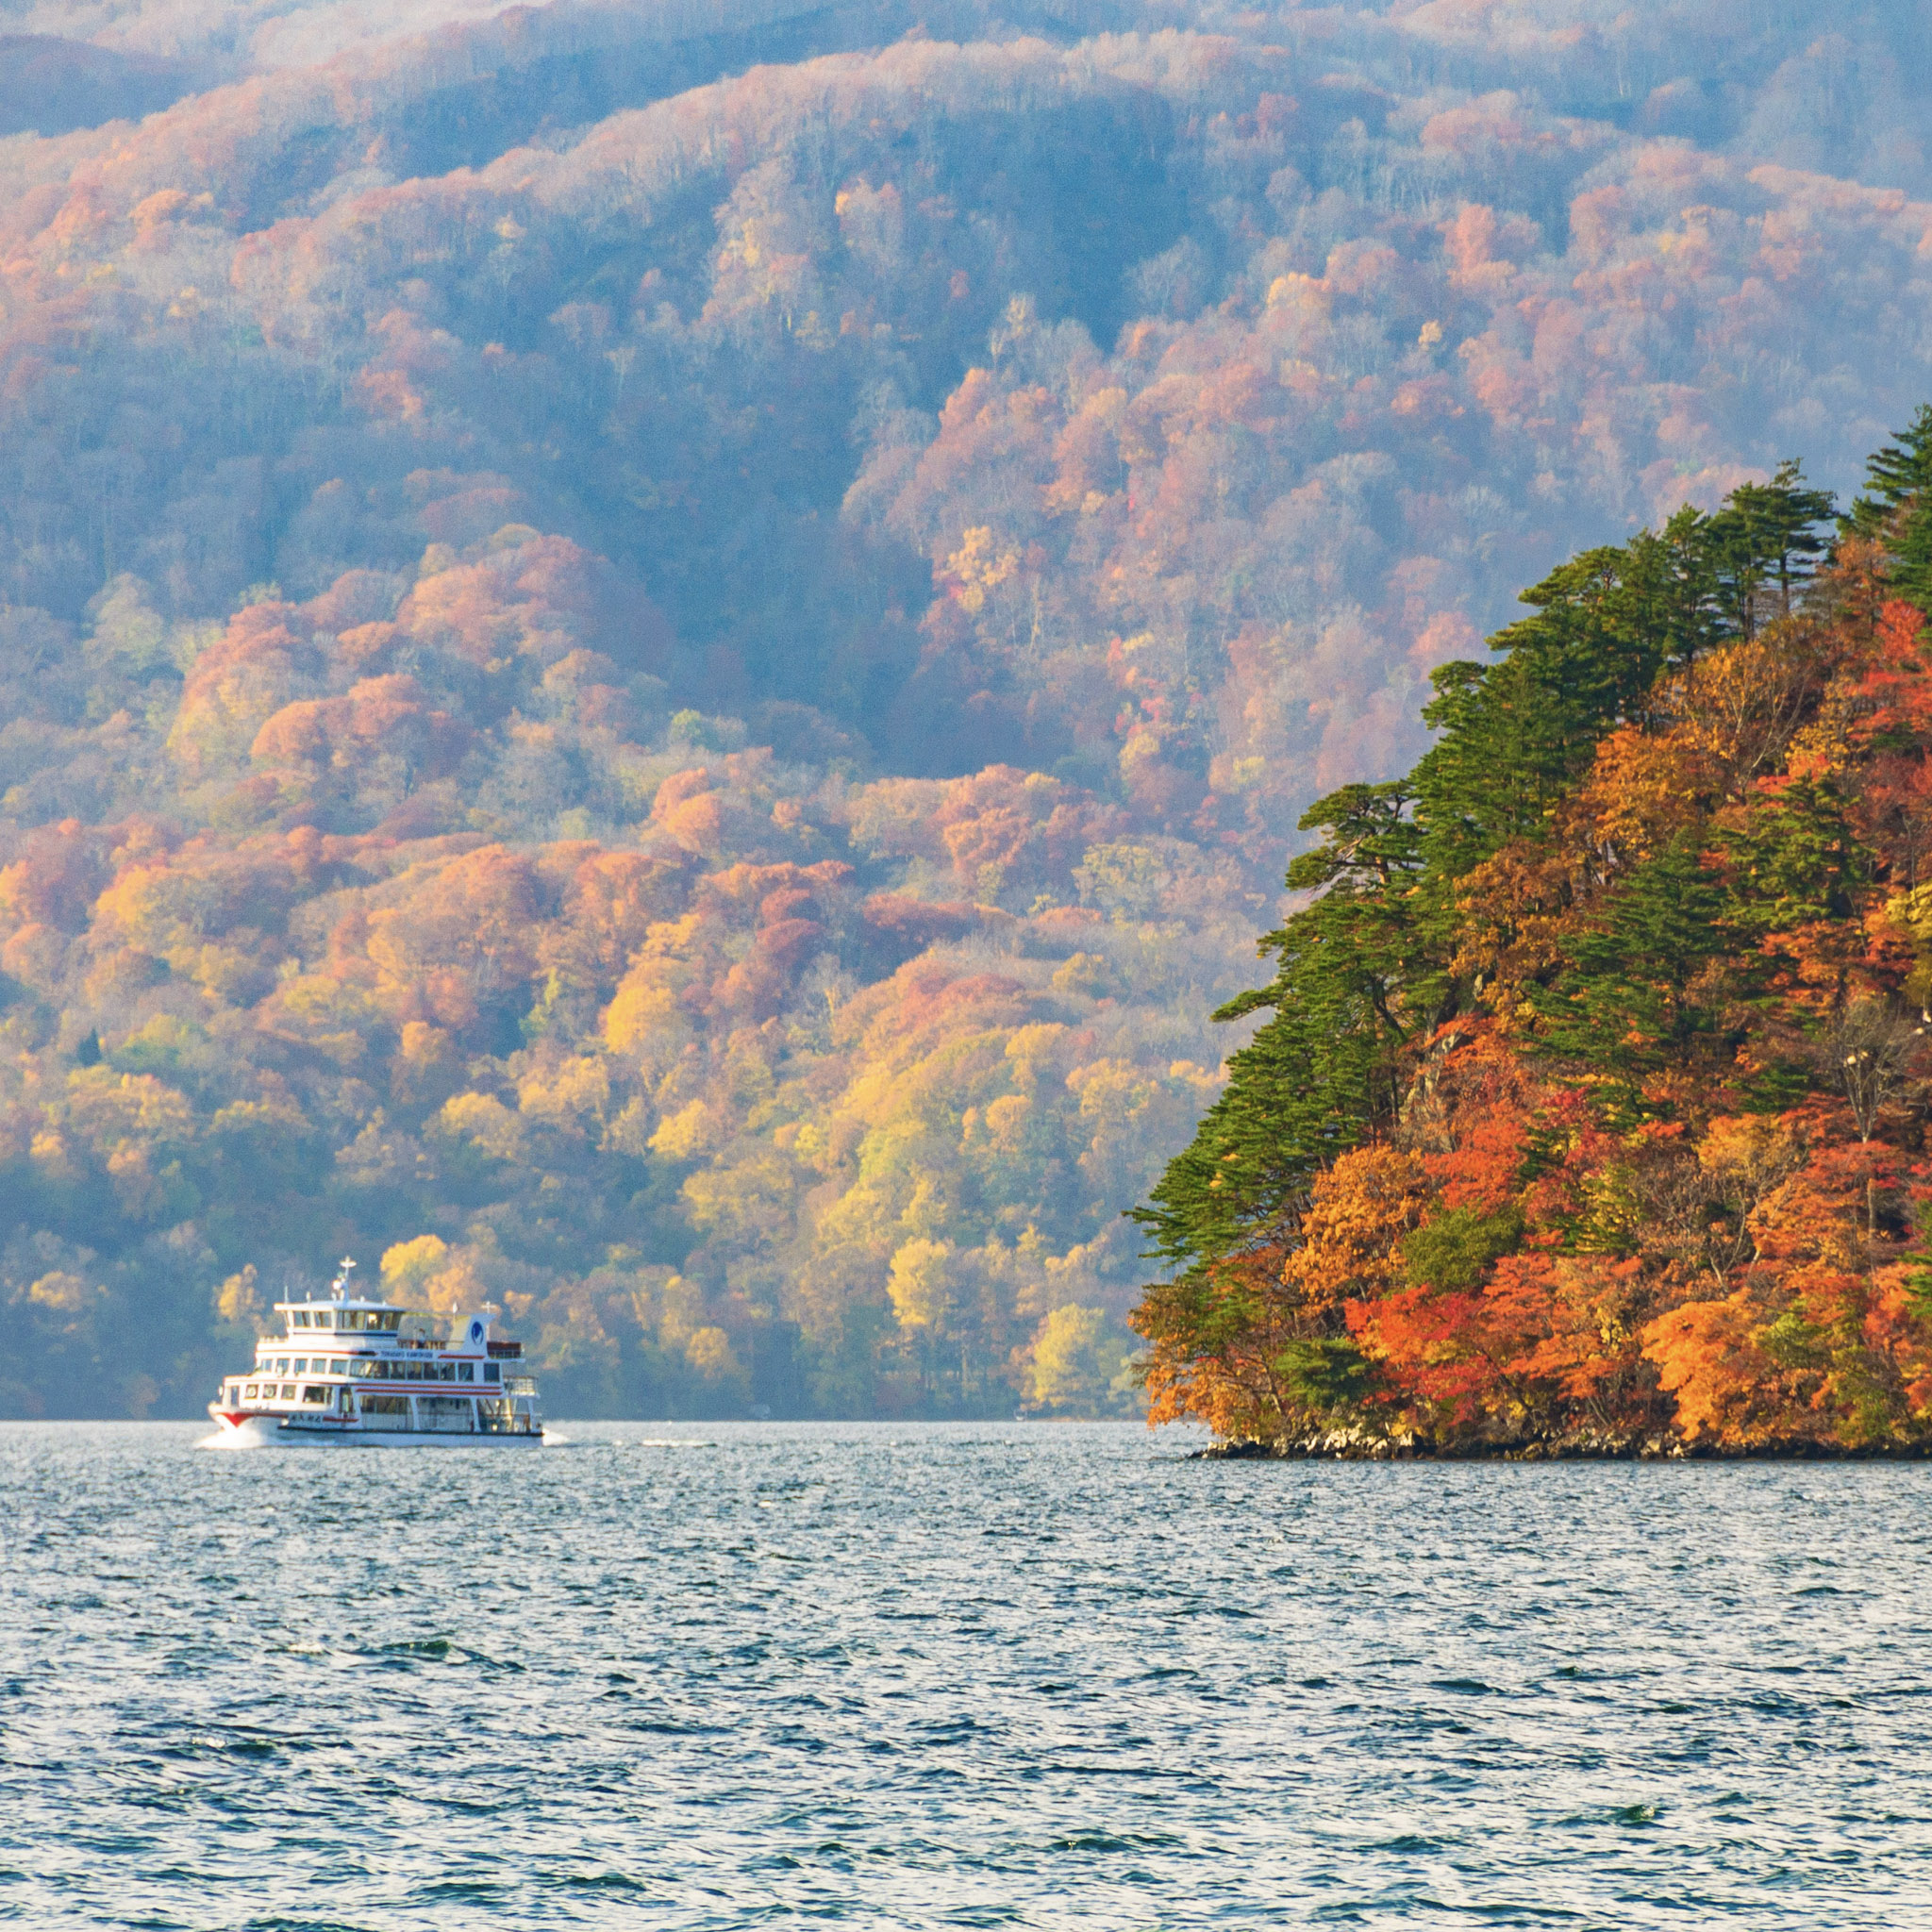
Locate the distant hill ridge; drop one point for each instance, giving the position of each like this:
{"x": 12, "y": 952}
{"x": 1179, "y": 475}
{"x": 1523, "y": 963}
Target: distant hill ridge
{"x": 51, "y": 86}
{"x": 656, "y": 660}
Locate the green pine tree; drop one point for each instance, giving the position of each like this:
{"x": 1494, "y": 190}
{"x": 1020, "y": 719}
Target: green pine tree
{"x": 1764, "y": 543}
{"x": 1631, "y": 1002}
{"x": 1893, "y": 476}
{"x": 1895, "y": 508}
{"x": 1796, "y": 860}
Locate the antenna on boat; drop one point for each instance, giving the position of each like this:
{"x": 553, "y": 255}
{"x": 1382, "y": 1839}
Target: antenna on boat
{"x": 341, "y": 1283}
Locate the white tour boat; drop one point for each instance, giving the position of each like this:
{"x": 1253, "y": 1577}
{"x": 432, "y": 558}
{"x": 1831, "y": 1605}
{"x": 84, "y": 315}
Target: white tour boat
{"x": 351, "y": 1369}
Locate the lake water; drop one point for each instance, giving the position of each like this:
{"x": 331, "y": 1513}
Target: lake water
{"x": 906, "y": 1674}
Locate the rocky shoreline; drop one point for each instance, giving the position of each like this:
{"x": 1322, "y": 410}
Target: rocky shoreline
{"x": 1347, "y": 1446}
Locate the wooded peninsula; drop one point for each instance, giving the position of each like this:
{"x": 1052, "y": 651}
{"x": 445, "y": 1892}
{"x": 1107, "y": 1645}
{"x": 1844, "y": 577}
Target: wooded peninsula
{"x": 1591, "y": 1114}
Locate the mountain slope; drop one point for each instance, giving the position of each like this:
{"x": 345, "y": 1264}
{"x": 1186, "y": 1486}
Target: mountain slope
{"x": 657, "y": 661}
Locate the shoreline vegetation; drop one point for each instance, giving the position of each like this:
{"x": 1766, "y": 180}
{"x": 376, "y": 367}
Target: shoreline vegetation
{"x": 1590, "y": 1118}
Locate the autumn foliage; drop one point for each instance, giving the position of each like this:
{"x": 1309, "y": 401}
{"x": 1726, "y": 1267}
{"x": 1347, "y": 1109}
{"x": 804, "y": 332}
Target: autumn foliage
{"x": 653, "y": 662}
{"x": 1615, "y": 1136}
{"x": 408, "y": 921}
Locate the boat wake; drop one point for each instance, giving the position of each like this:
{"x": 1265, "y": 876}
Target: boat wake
{"x": 249, "y": 1436}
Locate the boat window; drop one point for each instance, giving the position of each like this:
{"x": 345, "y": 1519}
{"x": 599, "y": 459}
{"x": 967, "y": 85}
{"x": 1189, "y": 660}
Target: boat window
{"x": 315, "y": 1391}
{"x": 288, "y": 1391}
{"x": 491, "y": 1372}
{"x": 341, "y": 1368}
{"x": 466, "y": 1372}
{"x": 298, "y": 1318}
{"x": 248, "y": 1392}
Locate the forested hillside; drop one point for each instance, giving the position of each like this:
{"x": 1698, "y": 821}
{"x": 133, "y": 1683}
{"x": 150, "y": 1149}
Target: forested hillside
{"x": 656, "y": 660}
{"x": 1593, "y": 1113}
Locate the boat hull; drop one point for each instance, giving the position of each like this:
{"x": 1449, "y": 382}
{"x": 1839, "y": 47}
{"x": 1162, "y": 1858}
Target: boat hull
{"x": 253, "y": 1431}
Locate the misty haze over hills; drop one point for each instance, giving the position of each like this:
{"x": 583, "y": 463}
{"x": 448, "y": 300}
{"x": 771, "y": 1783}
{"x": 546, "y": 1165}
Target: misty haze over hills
{"x": 657, "y": 658}
{"x": 1776, "y": 81}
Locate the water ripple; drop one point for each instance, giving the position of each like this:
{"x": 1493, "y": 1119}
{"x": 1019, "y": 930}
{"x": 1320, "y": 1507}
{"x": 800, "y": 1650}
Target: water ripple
{"x": 951, "y": 1675}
